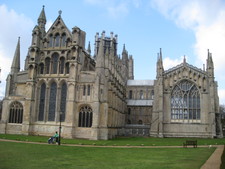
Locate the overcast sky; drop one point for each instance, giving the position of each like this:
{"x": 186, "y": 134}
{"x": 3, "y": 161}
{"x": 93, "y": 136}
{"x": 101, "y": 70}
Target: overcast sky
{"x": 178, "y": 27}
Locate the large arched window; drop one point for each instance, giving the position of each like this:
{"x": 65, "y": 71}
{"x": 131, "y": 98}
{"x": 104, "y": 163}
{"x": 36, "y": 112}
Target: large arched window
{"x": 42, "y": 102}
{"x": 16, "y": 112}
{"x": 62, "y": 65}
{"x": 63, "y": 100}
{"x": 85, "y": 117}
{"x": 185, "y": 101}
{"x": 52, "y": 102}
{"x": 55, "y": 57}
{"x": 47, "y": 65}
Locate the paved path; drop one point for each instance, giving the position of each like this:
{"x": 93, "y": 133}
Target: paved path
{"x": 213, "y": 162}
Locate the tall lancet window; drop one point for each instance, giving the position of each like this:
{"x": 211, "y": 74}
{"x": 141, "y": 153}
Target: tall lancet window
{"x": 62, "y": 65}
{"x": 55, "y": 57}
{"x": 47, "y": 65}
{"x": 57, "y": 40}
{"x": 50, "y": 43}
{"x": 63, "y": 40}
{"x": 52, "y": 102}
{"x": 63, "y": 100}
{"x": 185, "y": 101}
{"x": 42, "y": 102}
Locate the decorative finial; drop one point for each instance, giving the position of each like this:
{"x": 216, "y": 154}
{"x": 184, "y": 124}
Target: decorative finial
{"x": 184, "y": 59}
{"x": 43, "y": 6}
{"x": 60, "y": 12}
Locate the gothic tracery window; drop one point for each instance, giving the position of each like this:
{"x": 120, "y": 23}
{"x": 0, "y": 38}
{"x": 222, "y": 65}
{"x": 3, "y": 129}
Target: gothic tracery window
{"x": 85, "y": 117}
{"x": 42, "y": 102}
{"x": 16, "y": 113}
{"x": 185, "y": 101}
{"x": 52, "y": 102}
{"x": 63, "y": 100}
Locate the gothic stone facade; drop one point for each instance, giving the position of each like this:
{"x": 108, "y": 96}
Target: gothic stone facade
{"x": 96, "y": 97}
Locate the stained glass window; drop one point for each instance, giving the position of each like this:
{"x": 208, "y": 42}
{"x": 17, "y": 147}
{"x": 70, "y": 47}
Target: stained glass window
{"x": 54, "y": 63}
{"x": 42, "y": 102}
{"x": 52, "y": 102}
{"x": 85, "y": 117}
{"x": 185, "y": 101}
{"x": 16, "y": 113}
{"x": 63, "y": 101}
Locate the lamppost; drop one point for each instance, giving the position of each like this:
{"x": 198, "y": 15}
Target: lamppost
{"x": 60, "y": 119}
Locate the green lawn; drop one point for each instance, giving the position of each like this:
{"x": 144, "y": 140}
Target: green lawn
{"x": 121, "y": 141}
{"x": 34, "y": 156}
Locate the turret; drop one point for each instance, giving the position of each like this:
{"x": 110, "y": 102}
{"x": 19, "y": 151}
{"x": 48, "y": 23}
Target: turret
{"x": 42, "y": 21}
{"x": 15, "y": 68}
{"x": 131, "y": 68}
{"x": 160, "y": 68}
{"x": 125, "y": 56}
{"x": 89, "y": 48}
{"x": 78, "y": 37}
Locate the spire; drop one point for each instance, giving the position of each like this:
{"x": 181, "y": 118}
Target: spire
{"x": 89, "y": 48}
{"x": 42, "y": 21}
{"x": 15, "y": 68}
{"x": 124, "y": 49}
{"x": 184, "y": 60}
{"x": 42, "y": 17}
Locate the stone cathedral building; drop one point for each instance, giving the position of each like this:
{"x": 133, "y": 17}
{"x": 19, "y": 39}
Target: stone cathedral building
{"x": 96, "y": 96}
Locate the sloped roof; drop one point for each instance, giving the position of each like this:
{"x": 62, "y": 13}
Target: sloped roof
{"x": 140, "y": 82}
{"x": 139, "y": 102}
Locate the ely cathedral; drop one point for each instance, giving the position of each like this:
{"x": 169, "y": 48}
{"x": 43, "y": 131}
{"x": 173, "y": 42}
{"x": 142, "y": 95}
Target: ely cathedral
{"x": 96, "y": 97}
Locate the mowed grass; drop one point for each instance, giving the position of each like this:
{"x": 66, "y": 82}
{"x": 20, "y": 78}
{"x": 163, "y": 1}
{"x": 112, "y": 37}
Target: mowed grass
{"x": 35, "y": 156}
{"x": 120, "y": 141}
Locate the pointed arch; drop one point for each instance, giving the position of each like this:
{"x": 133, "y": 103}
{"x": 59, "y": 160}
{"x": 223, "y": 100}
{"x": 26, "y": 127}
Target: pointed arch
{"x": 50, "y": 44}
{"x": 55, "y": 58}
{"x": 52, "y": 101}
{"x": 63, "y": 40}
{"x": 42, "y": 102}
{"x": 41, "y": 68}
{"x": 47, "y": 65}
{"x": 57, "y": 40}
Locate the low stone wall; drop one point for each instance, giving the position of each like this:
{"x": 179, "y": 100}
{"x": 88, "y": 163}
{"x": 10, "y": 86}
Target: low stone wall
{"x": 136, "y": 130}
